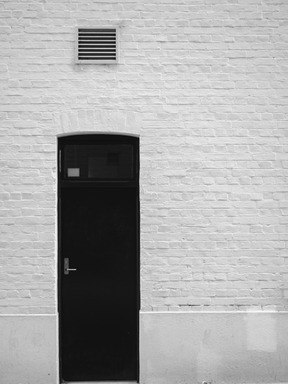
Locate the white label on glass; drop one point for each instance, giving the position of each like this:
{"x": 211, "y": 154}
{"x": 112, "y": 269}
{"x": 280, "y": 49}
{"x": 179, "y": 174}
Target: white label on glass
{"x": 73, "y": 172}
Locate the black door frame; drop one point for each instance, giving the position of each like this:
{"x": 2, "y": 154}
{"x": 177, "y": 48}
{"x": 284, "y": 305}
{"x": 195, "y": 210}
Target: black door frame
{"x": 87, "y": 138}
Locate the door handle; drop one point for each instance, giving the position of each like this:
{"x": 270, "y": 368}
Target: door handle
{"x": 66, "y": 266}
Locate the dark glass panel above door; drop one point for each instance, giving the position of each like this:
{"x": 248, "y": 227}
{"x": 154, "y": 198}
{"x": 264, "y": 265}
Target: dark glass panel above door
{"x": 99, "y": 159}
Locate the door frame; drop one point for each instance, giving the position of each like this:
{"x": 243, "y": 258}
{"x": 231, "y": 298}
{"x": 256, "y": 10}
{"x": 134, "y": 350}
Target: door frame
{"x": 78, "y": 138}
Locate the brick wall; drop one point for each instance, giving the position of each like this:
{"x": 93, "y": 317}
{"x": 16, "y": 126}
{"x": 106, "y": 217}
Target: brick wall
{"x": 204, "y": 84}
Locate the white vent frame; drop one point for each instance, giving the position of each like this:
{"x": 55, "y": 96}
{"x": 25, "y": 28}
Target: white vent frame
{"x": 101, "y": 61}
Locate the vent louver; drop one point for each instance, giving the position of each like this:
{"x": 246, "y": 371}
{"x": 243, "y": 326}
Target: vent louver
{"x": 97, "y": 46}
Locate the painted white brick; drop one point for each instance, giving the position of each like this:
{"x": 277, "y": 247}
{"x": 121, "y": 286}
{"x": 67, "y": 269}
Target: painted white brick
{"x": 204, "y": 85}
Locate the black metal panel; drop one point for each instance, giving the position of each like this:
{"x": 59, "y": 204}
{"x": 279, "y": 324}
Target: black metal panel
{"x": 99, "y": 303}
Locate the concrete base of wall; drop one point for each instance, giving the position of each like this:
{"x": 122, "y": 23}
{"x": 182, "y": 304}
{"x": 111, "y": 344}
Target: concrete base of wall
{"x": 28, "y": 349}
{"x": 180, "y": 348}
{"x": 175, "y": 348}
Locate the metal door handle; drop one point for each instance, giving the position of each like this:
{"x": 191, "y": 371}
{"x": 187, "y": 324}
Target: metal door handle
{"x": 66, "y": 266}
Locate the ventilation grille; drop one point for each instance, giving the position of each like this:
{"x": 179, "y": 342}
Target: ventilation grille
{"x": 97, "y": 46}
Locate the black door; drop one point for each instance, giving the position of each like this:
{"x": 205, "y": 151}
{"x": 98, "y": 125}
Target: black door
{"x": 98, "y": 263}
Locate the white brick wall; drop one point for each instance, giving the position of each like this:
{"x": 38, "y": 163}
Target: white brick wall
{"x": 204, "y": 83}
